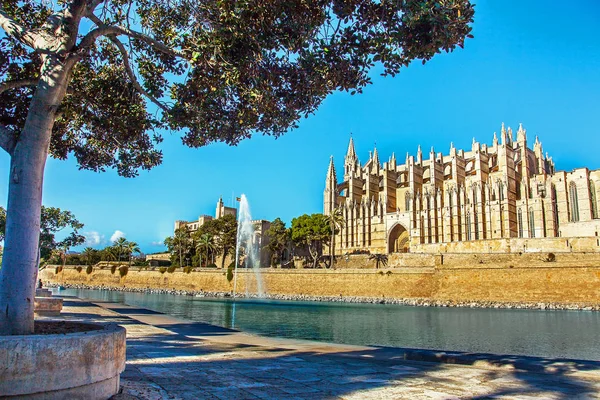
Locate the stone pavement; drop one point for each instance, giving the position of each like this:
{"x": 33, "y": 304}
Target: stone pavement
{"x": 169, "y": 358}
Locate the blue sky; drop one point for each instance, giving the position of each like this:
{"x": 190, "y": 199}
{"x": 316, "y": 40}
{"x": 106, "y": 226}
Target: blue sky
{"x": 535, "y": 62}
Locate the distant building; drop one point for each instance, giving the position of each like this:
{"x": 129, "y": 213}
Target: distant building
{"x": 261, "y": 226}
{"x": 221, "y": 211}
{"x": 500, "y": 191}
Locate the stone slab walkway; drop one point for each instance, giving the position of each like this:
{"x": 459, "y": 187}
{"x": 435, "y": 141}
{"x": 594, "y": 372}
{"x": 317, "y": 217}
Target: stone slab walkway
{"x": 169, "y": 358}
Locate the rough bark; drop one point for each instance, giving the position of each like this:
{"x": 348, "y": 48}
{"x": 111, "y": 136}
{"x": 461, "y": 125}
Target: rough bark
{"x": 18, "y": 275}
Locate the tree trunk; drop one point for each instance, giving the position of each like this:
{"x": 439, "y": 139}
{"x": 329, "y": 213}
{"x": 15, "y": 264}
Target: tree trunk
{"x": 223, "y": 259}
{"x": 314, "y": 256}
{"x": 331, "y": 248}
{"x": 18, "y": 275}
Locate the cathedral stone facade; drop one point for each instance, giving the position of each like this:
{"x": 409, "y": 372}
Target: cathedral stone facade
{"x": 505, "y": 190}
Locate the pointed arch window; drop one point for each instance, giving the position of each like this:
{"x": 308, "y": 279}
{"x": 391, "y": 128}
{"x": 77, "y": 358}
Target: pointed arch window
{"x": 476, "y": 222}
{"x": 468, "y": 224}
{"x": 531, "y": 223}
{"x": 593, "y": 199}
{"x": 407, "y": 201}
{"x": 555, "y": 210}
{"x": 500, "y": 191}
{"x": 520, "y": 222}
{"x": 574, "y": 203}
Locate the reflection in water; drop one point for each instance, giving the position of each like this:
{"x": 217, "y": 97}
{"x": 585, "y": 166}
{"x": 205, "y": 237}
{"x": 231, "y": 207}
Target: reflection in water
{"x": 570, "y": 334}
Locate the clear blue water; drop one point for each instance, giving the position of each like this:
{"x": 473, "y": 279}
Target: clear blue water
{"x": 563, "y": 334}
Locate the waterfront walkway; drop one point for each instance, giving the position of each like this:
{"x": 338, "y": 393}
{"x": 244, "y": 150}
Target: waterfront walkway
{"x": 170, "y": 358}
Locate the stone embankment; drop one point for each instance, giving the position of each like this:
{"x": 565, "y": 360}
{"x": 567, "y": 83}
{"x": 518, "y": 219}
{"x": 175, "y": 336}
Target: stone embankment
{"x": 419, "y": 302}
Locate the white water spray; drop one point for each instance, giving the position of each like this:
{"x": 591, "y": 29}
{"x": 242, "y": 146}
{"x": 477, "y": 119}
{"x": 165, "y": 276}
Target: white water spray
{"x": 246, "y": 240}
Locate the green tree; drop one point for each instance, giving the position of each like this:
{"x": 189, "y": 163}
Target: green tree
{"x": 120, "y": 245}
{"x": 90, "y": 255}
{"x": 52, "y": 221}
{"x": 109, "y": 253}
{"x": 179, "y": 244}
{"x": 336, "y": 222}
{"x": 224, "y": 232}
{"x": 98, "y": 78}
{"x": 130, "y": 248}
{"x": 227, "y": 238}
{"x": 205, "y": 241}
{"x": 310, "y": 231}
{"x": 279, "y": 237}
{"x": 379, "y": 259}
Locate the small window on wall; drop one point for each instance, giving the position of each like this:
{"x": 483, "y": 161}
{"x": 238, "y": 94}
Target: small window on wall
{"x": 593, "y": 199}
{"x": 574, "y": 204}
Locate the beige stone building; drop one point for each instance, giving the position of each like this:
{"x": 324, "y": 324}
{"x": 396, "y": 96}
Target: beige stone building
{"x": 260, "y": 239}
{"x": 221, "y": 211}
{"x": 509, "y": 189}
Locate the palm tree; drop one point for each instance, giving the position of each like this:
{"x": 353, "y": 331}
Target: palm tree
{"x": 179, "y": 242}
{"x": 109, "y": 253}
{"x": 336, "y": 221}
{"x": 89, "y": 253}
{"x": 206, "y": 242}
{"x": 132, "y": 247}
{"x": 63, "y": 254}
{"x": 121, "y": 245}
{"x": 379, "y": 259}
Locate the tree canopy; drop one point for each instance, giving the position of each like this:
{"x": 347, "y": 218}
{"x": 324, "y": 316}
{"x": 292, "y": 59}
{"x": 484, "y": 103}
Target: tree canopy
{"x": 311, "y": 231}
{"x": 53, "y": 221}
{"x": 216, "y": 71}
{"x": 224, "y": 233}
{"x": 279, "y": 237}
{"x": 101, "y": 79}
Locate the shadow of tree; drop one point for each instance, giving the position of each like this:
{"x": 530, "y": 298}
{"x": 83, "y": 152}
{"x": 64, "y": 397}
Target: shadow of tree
{"x": 181, "y": 365}
{"x": 194, "y": 360}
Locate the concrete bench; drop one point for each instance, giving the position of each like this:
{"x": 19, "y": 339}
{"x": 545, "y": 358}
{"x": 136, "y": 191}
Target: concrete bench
{"x": 43, "y": 293}
{"x": 48, "y": 305}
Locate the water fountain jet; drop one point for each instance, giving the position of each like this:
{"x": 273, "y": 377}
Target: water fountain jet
{"x": 246, "y": 240}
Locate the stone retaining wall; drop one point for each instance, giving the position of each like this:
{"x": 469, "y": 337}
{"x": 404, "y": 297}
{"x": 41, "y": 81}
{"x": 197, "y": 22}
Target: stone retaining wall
{"x": 570, "y": 278}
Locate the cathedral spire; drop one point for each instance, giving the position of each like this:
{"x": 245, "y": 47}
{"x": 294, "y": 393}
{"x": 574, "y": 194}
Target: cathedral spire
{"x": 351, "y": 153}
{"x": 419, "y": 155}
{"x": 331, "y": 177}
{"x": 351, "y": 163}
{"x": 521, "y": 134}
{"x": 376, "y": 157}
{"x": 503, "y": 136}
{"x": 330, "y": 194}
{"x": 495, "y": 140}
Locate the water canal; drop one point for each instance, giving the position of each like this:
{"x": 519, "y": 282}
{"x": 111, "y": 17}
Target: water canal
{"x": 545, "y": 333}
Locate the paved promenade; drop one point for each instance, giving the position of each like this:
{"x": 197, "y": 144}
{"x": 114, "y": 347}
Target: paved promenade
{"x": 169, "y": 358}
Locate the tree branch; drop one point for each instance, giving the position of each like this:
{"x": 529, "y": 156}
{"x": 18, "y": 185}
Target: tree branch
{"x": 8, "y": 139}
{"x": 132, "y": 76}
{"x": 105, "y": 30}
{"x": 7, "y": 85}
{"x": 17, "y": 31}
